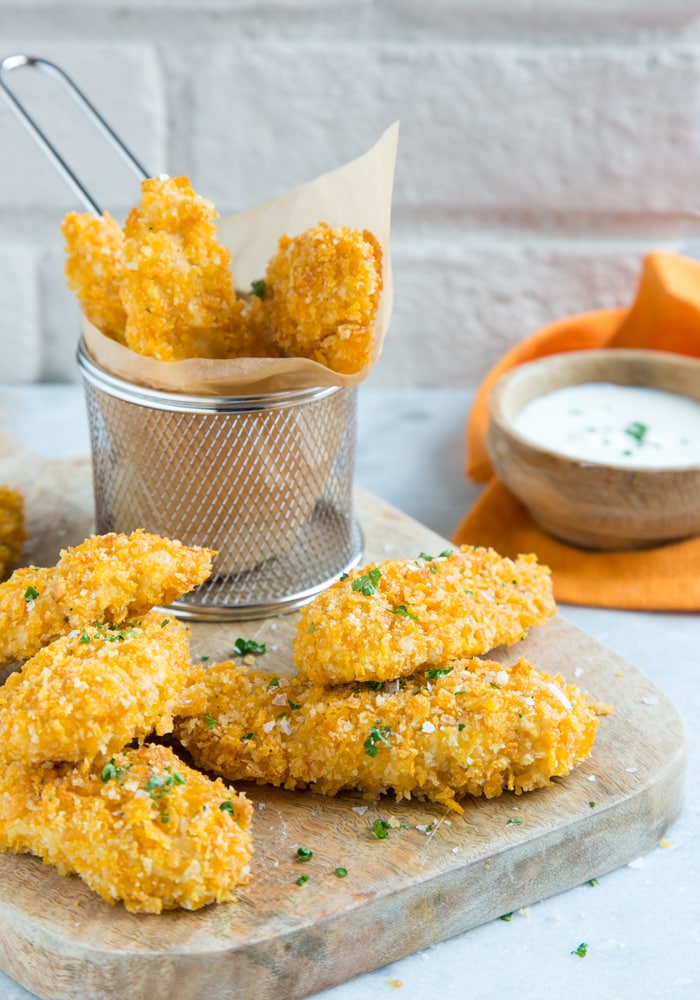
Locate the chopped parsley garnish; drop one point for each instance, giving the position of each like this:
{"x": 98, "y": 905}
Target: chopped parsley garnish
{"x": 257, "y": 287}
{"x": 209, "y": 722}
{"x": 581, "y": 951}
{"x": 514, "y": 821}
{"x": 293, "y": 705}
{"x": 462, "y": 691}
{"x": 84, "y": 638}
{"x": 166, "y": 621}
{"x": 637, "y": 430}
{"x": 461, "y": 726}
{"x": 273, "y": 683}
{"x": 248, "y": 736}
{"x": 469, "y": 592}
{"x": 593, "y": 881}
{"x": 378, "y": 736}
{"x": 367, "y": 583}
{"x": 31, "y": 594}
{"x": 302, "y": 879}
{"x": 204, "y": 659}
{"x": 403, "y": 612}
{"x": 343, "y": 576}
{"x": 341, "y": 872}
{"x": 433, "y": 569}
{"x": 425, "y": 557}
{"x": 304, "y": 854}
{"x": 373, "y": 685}
{"x": 311, "y": 629}
{"x": 436, "y": 672}
{"x": 506, "y": 916}
{"x": 227, "y": 807}
{"x": 381, "y": 828}
{"x": 592, "y": 805}
{"x": 159, "y": 785}
{"x": 445, "y": 553}
{"x": 110, "y": 770}
{"x": 494, "y": 685}
{"x": 242, "y": 647}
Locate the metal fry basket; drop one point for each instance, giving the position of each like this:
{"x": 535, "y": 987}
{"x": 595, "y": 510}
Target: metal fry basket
{"x": 264, "y": 479}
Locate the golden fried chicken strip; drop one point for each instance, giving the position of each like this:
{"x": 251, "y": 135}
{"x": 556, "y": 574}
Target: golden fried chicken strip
{"x": 108, "y": 578}
{"x": 12, "y": 532}
{"x": 140, "y": 826}
{"x": 95, "y": 690}
{"x": 94, "y": 269}
{"x": 322, "y": 292}
{"x": 472, "y": 727}
{"x": 388, "y": 619}
{"x": 178, "y": 288}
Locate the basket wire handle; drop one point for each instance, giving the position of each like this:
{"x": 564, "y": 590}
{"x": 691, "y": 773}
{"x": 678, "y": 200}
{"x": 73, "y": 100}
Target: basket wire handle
{"x": 13, "y": 62}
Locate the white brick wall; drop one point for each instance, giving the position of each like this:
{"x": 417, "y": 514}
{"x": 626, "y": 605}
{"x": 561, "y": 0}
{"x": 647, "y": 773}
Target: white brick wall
{"x": 544, "y": 148}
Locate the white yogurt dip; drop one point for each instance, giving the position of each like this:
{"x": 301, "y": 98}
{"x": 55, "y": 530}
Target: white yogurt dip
{"x": 615, "y": 424}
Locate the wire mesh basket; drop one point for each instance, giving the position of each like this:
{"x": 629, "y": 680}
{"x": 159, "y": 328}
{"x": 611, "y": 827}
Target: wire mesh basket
{"x": 266, "y": 480}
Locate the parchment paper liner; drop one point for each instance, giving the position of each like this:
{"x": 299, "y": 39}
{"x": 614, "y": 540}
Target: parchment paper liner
{"x": 357, "y": 195}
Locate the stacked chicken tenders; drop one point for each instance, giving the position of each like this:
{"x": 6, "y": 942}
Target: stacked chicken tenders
{"x": 163, "y": 286}
{"x": 391, "y": 694}
{"x": 101, "y": 671}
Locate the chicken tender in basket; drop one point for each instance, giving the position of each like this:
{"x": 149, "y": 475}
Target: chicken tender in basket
{"x": 471, "y": 727}
{"x": 178, "y": 289}
{"x": 139, "y": 826}
{"x": 389, "y": 619}
{"x": 12, "y": 532}
{"x": 322, "y": 292}
{"x": 108, "y": 578}
{"x": 94, "y": 691}
{"x": 94, "y": 269}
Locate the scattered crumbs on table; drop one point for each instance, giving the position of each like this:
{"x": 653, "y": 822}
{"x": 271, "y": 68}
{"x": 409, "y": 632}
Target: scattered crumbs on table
{"x": 396, "y": 983}
{"x": 591, "y": 777}
{"x": 260, "y": 805}
{"x": 637, "y": 863}
{"x": 360, "y": 810}
{"x": 524, "y": 911}
{"x": 456, "y": 850}
{"x": 663, "y": 844}
{"x": 578, "y": 671}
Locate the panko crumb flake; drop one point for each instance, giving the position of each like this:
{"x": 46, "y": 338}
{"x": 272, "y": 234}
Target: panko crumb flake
{"x": 389, "y": 619}
{"x": 108, "y": 578}
{"x": 12, "y": 531}
{"x": 139, "y": 826}
{"x": 94, "y": 691}
{"x": 490, "y": 729}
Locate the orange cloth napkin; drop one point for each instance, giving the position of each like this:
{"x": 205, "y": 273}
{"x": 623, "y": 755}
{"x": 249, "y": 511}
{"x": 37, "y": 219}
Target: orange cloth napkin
{"x": 665, "y": 315}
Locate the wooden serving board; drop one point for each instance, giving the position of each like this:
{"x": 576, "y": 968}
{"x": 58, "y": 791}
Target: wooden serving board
{"x": 436, "y": 875}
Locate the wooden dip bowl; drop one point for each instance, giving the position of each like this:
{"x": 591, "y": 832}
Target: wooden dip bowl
{"x": 592, "y": 504}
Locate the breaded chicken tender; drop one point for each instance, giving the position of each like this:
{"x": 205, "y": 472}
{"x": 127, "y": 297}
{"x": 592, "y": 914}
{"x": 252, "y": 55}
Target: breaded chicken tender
{"x": 140, "y": 826}
{"x": 472, "y": 727}
{"x": 94, "y": 269}
{"x": 93, "y": 691}
{"x": 12, "y": 532}
{"x": 388, "y": 619}
{"x": 108, "y": 578}
{"x": 322, "y": 292}
{"x": 178, "y": 289}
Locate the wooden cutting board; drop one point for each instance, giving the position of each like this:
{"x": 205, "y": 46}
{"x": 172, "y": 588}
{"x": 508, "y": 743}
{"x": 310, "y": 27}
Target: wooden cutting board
{"x": 437, "y": 874}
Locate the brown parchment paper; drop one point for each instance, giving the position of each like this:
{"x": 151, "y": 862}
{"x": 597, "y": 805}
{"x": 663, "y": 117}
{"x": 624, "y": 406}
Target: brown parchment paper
{"x": 357, "y": 195}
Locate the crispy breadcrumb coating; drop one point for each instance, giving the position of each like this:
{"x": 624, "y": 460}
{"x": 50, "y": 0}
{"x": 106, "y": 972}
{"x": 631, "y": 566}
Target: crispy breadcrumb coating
{"x": 472, "y": 727}
{"x": 108, "y": 578}
{"x": 322, "y": 292}
{"x": 178, "y": 288}
{"x": 94, "y": 269}
{"x": 388, "y": 619}
{"x": 140, "y": 826}
{"x": 12, "y": 532}
{"x": 93, "y": 691}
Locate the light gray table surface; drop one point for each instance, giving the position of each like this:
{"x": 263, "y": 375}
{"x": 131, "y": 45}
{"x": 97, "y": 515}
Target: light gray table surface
{"x": 641, "y": 922}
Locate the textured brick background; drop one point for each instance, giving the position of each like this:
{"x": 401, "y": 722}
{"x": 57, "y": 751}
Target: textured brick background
{"x": 545, "y": 147}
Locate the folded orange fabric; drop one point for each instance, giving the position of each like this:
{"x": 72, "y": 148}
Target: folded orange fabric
{"x": 665, "y": 315}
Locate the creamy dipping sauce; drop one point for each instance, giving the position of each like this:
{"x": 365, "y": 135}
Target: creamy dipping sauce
{"x": 615, "y": 424}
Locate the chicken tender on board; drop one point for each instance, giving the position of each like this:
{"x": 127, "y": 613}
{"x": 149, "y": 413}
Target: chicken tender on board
{"x": 108, "y": 578}
{"x": 95, "y": 270}
{"x": 140, "y": 826}
{"x": 322, "y": 292}
{"x": 178, "y": 289}
{"x": 471, "y": 727}
{"x": 12, "y": 532}
{"x": 388, "y": 619}
{"x": 95, "y": 690}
